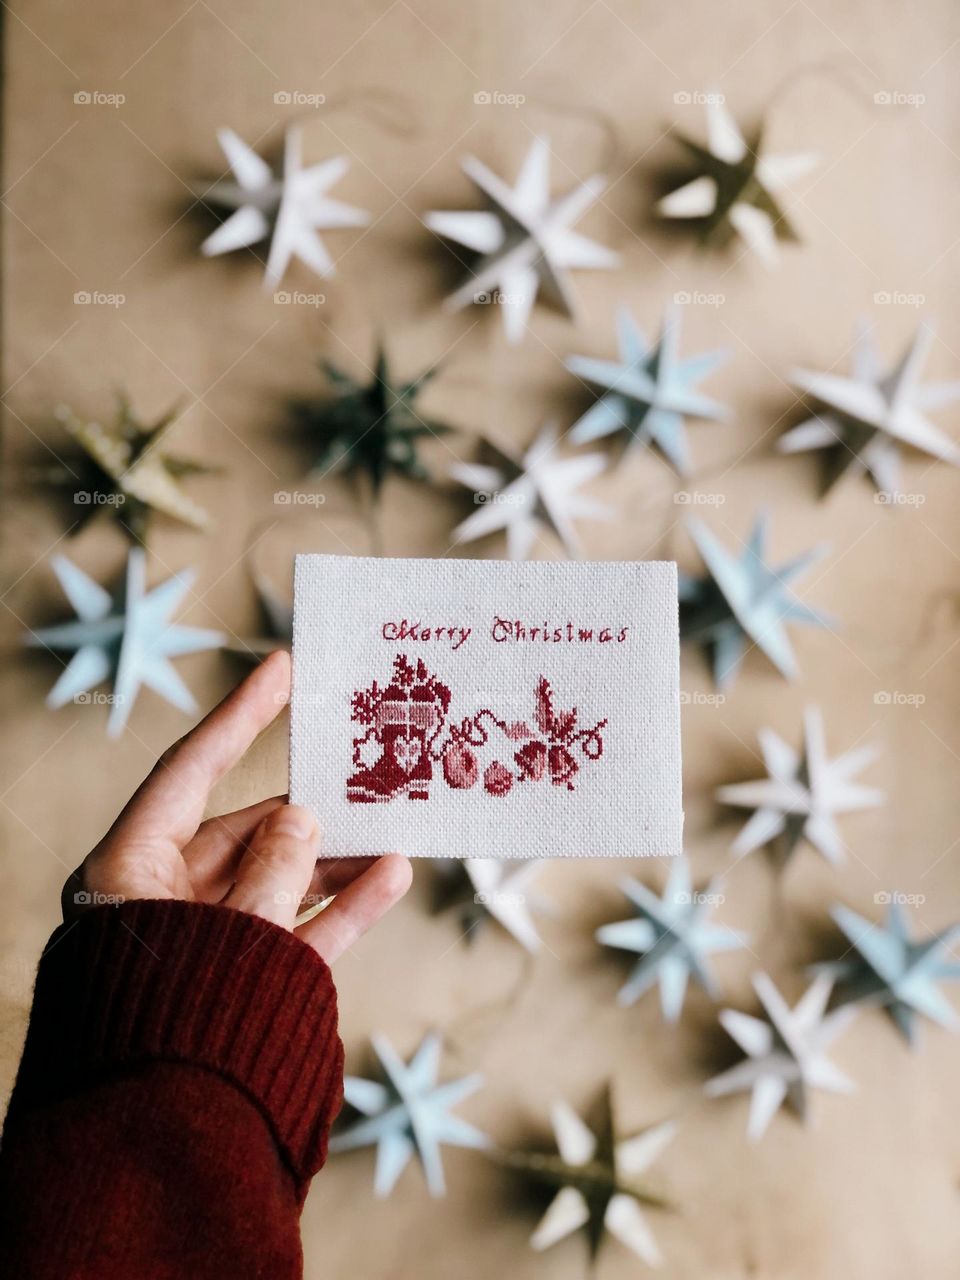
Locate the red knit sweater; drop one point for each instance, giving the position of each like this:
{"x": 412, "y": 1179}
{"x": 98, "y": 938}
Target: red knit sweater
{"x": 181, "y": 1072}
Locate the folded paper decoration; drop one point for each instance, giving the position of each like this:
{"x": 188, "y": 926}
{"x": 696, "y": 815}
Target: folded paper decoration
{"x": 462, "y": 708}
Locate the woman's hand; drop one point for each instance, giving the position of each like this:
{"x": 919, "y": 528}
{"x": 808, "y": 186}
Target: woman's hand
{"x": 263, "y": 859}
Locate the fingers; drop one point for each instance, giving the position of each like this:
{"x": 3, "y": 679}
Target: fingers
{"x": 277, "y": 866}
{"x": 214, "y": 853}
{"x": 357, "y": 907}
{"x": 170, "y": 803}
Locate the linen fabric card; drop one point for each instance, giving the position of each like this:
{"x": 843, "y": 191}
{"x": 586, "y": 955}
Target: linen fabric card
{"x": 484, "y": 708}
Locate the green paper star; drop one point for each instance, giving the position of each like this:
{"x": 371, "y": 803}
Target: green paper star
{"x": 369, "y": 429}
{"x": 125, "y": 470}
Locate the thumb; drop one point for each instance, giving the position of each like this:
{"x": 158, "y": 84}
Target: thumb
{"x": 277, "y": 867}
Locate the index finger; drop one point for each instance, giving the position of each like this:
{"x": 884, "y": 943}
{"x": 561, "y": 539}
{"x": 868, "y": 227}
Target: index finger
{"x": 170, "y": 803}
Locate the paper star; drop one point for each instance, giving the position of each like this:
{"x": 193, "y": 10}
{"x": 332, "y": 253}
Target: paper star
{"x": 673, "y": 938}
{"x": 289, "y": 205}
{"x": 596, "y": 1177}
{"x": 892, "y": 970}
{"x": 127, "y": 638}
{"x": 526, "y": 496}
{"x": 370, "y": 429}
{"x": 802, "y": 795}
{"x": 524, "y": 239}
{"x": 488, "y": 888}
{"x": 786, "y": 1052}
{"x": 128, "y": 471}
{"x": 744, "y": 602}
{"x": 408, "y": 1114}
{"x": 866, "y": 417}
{"x": 735, "y": 191}
{"x": 647, "y": 392}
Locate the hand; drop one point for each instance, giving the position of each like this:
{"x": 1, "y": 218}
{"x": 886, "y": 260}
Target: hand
{"x": 262, "y": 859}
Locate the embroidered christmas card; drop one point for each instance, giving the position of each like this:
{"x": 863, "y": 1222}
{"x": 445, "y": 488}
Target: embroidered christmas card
{"x": 478, "y": 708}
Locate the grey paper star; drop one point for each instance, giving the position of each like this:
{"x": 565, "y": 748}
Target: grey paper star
{"x": 523, "y": 238}
{"x": 743, "y": 602}
{"x": 409, "y": 1113}
{"x": 597, "y": 1180}
{"x": 786, "y": 1052}
{"x": 372, "y": 428}
{"x": 891, "y": 970}
{"x": 734, "y": 191}
{"x": 647, "y": 392}
{"x": 127, "y": 638}
{"x": 866, "y": 418}
{"x": 802, "y": 795}
{"x": 673, "y": 939}
{"x": 526, "y": 496}
{"x": 288, "y": 207}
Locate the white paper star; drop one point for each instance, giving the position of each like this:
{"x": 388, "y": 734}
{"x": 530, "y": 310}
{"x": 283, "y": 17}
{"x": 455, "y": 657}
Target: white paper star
{"x": 597, "y": 1176}
{"x": 128, "y": 638}
{"x": 648, "y": 391}
{"x": 409, "y": 1113}
{"x": 526, "y": 496}
{"x": 737, "y": 186}
{"x": 673, "y": 938}
{"x": 524, "y": 239}
{"x": 289, "y": 206}
{"x": 786, "y": 1052}
{"x": 866, "y": 417}
{"x": 502, "y": 888}
{"x": 803, "y": 793}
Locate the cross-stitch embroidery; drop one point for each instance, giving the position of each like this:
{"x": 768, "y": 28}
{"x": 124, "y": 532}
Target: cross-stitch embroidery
{"x": 402, "y": 740}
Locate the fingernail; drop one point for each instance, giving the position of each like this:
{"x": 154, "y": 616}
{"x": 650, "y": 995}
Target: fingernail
{"x": 291, "y": 820}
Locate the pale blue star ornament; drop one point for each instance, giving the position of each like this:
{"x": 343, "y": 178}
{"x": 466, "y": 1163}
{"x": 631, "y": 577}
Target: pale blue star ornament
{"x": 127, "y": 638}
{"x": 408, "y": 1113}
{"x": 673, "y": 938}
{"x": 744, "y": 602}
{"x": 886, "y": 967}
{"x": 648, "y": 392}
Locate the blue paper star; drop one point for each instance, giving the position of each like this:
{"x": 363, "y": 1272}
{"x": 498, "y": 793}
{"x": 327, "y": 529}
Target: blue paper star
{"x": 744, "y": 601}
{"x": 673, "y": 938}
{"x": 126, "y": 638}
{"x": 891, "y": 970}
{"x": 407, "y": 1114}
{"x": 647, "y": 392}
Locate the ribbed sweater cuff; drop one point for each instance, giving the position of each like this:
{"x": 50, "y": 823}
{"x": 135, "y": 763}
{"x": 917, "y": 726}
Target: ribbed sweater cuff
{"x": 187, "y": 982}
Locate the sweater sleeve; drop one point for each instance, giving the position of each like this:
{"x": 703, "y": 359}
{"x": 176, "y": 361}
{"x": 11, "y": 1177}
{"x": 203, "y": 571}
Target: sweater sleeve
{"x": 181, "y": 1071}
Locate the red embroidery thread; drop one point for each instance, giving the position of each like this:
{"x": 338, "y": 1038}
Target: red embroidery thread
{"x": 404, "y": 721}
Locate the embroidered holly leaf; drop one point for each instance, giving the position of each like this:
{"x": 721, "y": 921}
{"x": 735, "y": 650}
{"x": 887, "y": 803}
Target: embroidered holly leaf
{"x": 544, "y": 712}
